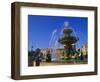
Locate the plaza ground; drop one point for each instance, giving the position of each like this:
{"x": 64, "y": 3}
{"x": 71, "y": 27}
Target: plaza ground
{"x": 59, "y": 63}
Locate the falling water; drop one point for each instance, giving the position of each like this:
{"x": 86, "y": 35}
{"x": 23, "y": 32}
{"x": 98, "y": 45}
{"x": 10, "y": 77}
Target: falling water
{"x": 76, "y": 36}
{"x": 62, "y": 28}
{"x": 52, "y": 44}
{"x": 55, "y": 58}
{"x": 52, "y": 37}
{"x": 66, "y": 23}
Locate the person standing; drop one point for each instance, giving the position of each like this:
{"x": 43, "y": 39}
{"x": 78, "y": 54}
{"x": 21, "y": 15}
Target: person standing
{"x": 31, "y": 57}
{"x": 48, "y": 58}
{"x": 37, "y": 57}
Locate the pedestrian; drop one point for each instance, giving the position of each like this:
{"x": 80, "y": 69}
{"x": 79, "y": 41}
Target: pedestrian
{"x": 48, "y": 58}
{"x": 37, "y": 57}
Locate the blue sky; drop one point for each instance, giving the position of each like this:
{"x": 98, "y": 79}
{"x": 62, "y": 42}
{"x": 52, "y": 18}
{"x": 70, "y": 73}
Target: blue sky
{"x": 40, "y": 29}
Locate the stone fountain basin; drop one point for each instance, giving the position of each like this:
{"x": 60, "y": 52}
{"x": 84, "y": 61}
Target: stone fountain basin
{"x": 68, "y": 40}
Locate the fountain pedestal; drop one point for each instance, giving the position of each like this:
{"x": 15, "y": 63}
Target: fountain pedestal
{"x": 69, "y": 42}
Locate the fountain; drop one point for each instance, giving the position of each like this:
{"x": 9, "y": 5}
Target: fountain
{"x": 68, "y": 41}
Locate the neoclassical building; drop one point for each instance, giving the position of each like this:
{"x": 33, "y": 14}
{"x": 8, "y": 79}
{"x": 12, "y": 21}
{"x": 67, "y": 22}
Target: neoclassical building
{"x": 59, "y": 53}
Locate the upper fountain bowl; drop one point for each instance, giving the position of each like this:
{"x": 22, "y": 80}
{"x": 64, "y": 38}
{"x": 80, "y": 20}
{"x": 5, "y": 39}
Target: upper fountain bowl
{"x": 67, "y": 30}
